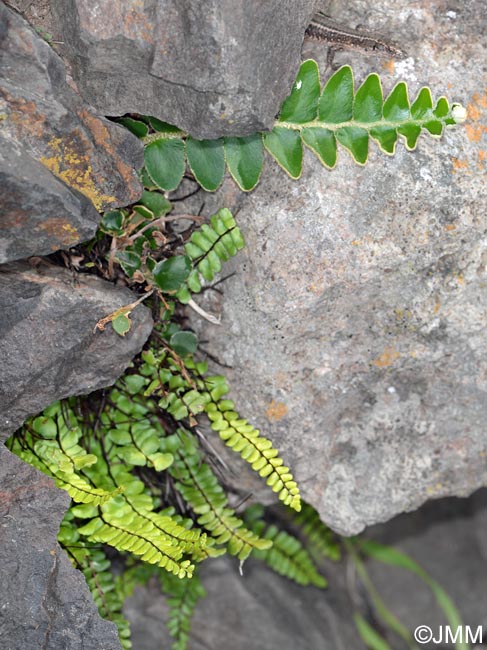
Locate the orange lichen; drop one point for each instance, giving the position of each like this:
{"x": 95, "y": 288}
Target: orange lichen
{"x": 459, "y": 164}
{"x": 450, "y": 226}
{"x": 437, "y": 307}
{"x": 475, "y": 131}
{"x": 479, "y": 99}
{"x": 482, "y": 158}
{"x": 17, "y": 218}
{"x": 136, "y": 24}
{"x": 387, "y": 358}
{"x": 102, "y": 138}
{"x": 475, "y": 110}
{"x": 24, "y": 117}
{"x": 276, "y": 411}
{"x": 389, "y": 65}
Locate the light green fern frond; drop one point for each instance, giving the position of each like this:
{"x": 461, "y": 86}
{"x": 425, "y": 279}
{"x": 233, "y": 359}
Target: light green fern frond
{"x": 52, "y": 447}
{"x": 127, "y": 531}
{"x": 185, "y": 396}
{"x": 243, "y": 438}
{"x": 207, "y": 248}
{"x": 200, "y": 488}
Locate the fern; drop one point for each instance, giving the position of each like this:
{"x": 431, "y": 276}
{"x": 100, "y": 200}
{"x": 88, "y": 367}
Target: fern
{"x": 200, "y": 488}
{"x": 51, "y": 445}
{"x": 243, "y": 438}
{"x": 287, "y": 556}
{"x": 207, "y": 248}
{"x": 318, "y": 538}
{"x": 96, "y": 568}
{"x": 182, "y": 597}
{"x": 150, "y": 537}
{"x": 124, "y": 515}
{"x": 318, "y": 118}
{"x": 185, "y": 395}
{"x": 124, "y": 465}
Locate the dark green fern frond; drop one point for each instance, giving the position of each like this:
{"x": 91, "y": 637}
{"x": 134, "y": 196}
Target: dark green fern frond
{"x": 318, "y": 538}
{"x": 182, "y": 597}
{"x": 318, "y": 118}
{"x": 287, "y": 556}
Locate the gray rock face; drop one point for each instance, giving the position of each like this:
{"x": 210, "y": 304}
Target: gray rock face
{"x": 260, "y": 610}
{"x": 40, "y": 213}
{"x": 447, "y": 538}
{"x": 44, "y": 602}
{"x": 48, "y": 349}
{"x": 355, "y": 324}
{"x": 212, "y": 68}
{"x": 47, "y": 130}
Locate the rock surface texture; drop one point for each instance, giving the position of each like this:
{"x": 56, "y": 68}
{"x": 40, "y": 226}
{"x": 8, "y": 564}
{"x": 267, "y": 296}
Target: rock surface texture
{"x": 212, "y": 68}
{"x": 44, "y": 602}
{"x": 58, "y": 158}
{"x": 355, "y": 324}
{"x": 48, "y": 347}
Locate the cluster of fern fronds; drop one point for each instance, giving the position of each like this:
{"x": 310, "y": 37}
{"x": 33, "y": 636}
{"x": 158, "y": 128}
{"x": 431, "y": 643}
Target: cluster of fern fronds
{"x": 131, "y": 457}
{"x": 132, "y": 461}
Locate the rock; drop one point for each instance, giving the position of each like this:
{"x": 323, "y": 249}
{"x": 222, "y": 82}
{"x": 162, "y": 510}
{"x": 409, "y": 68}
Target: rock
{"x": 40, "y": 213}
{"x": 47, "y": 129}
{"x": 355, "y": 324}
{"x": 44, "y": 602}
{"x": 48, "y": 347}
{"x": 212, "y": 68}
{"x": 260, "y": 610}
{"x": 447, "y": 539}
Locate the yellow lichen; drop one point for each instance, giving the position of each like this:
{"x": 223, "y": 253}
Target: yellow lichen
{"x": 63, "y": 232}
{"x": 75, "y": 170}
